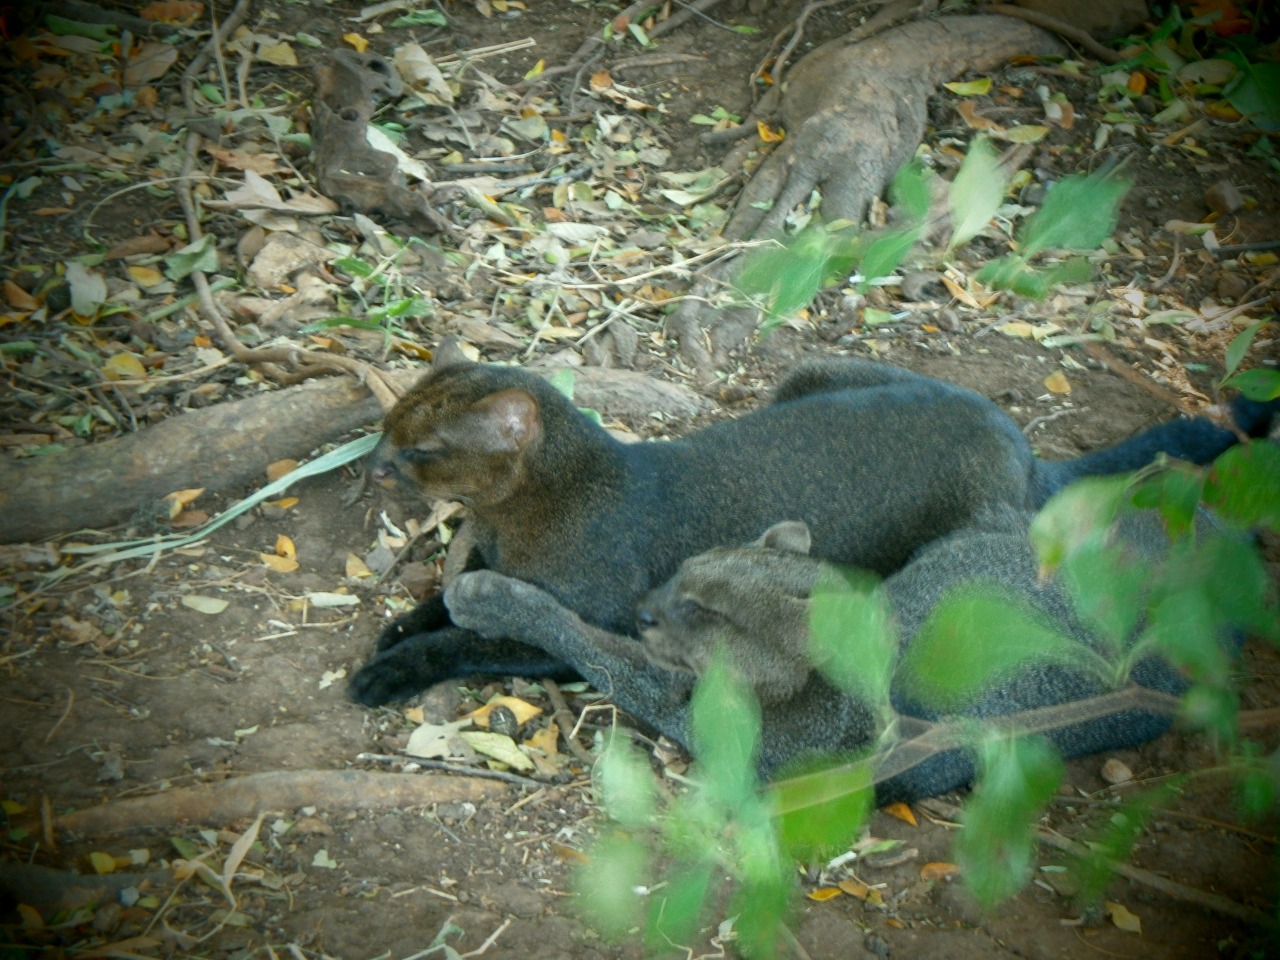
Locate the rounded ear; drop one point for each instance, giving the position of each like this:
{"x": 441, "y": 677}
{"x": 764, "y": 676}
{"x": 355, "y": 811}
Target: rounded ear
{"x": 509, "y": 420}
{"x": 448, "y": 354}
{"x": 790, "y": 536}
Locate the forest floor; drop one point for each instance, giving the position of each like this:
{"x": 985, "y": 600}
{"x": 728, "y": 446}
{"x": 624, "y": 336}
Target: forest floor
{"x": 212, "y": 663}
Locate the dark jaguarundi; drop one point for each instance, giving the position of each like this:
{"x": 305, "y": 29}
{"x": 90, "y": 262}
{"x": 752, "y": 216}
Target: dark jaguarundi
{"x": 755, "y": 601}
{"x": 875, "y": 459}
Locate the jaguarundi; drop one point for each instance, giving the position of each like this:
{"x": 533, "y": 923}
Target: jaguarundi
{"x": 756, "y": 601}
{"x": 876, "y": 460}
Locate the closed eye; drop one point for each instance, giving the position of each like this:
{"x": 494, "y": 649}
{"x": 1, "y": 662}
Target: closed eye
{"x": 417, "y": 455}
{"x": 691, "y": 611}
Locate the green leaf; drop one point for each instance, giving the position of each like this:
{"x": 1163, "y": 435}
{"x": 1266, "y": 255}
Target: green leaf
{"x": 626, "y": 785}
{"x": 421, "y": 18}
{"x": 1107, "y": 584}
{"x": 1184, "y": 628}
{"x": 978, "y": 636}
{"x": 909, "y": 191}
{"x": 1075, "y": 516}
{"x": 1239, "y": 345}
{"x": 606, "y": 884}
{"x": 674, "y": 911}
{"x": 976, "y": 192}
{"x": 354, "y": 266}
{"x": 1260, "y": 385}
{"x": 1078, "y": 213}
{"x": 1176, "y": 493}
{"x": 724, "y": 723}
{"x": 1243, "y": 485}
{"x": 1255, "y": 91}
{"x": 851, "y": 639}
{"x": 1094, "y": 871}
{"x": 201, "y": 255}
{"x": 562, "y": 380}
{"x": 1211, "y": 709}
{"x": 886, "y": 252}
{"x": 996, "y": 849}
{"x": 820, "y": 811}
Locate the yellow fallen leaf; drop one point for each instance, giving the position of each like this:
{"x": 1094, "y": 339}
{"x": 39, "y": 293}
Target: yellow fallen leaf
{"x": 1026, "y": 133}
{"x": 770, "y": 134}
{"x": 123, "y": 366}
{"x": 285, "y": 547}
{"x": 536, "y": 70}
{"x": 970, "y": 88}
{"x": 357, "y": 41}
{"x": 184, "y": 498}
{"x": 280, "y": 54}
{"x": 1057, "y": 382}
{"x": 824, "y": 893}
{"x": 546, "y": 740}
{"x": 357, "y": 567}
{"x": 279, "y": 564}
{"x": 415, "y": 715}
{"x": 284, "y": 503}
{"x": 1119, "y": 914}
{"x": 523, "y": 710}
{"x": 902, "y": 812}
{"x": 104, "y": 863}
{"x": 1016, "y": 328}
{"x": 938, "y": 870}
{"x": 146, "y": 276}
{"x": 279, "y": 468}
{"x": 601, "y": 79}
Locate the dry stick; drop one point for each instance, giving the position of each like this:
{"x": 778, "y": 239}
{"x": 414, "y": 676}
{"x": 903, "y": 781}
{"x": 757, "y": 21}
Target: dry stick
{"x": 1171, "y": 888}
{"x": 797, "y": 34}
{"x": 304, "y": 365}
{"x": 285, "y": 790}
{"x": 564, "y": 717}
{"x": 1064, "y": 30}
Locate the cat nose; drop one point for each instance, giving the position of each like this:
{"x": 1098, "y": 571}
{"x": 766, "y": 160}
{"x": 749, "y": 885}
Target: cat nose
{"x": 646, "y": 619}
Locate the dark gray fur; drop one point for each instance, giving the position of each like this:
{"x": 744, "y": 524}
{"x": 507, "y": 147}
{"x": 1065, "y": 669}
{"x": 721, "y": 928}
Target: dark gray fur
{"x": 759, "y": 595}
{"x": 876, "y": 460}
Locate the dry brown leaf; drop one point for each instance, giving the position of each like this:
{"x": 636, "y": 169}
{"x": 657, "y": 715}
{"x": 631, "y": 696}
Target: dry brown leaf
{"x": 938, "y": 870}
{"x": 18, "y": 298}
{"x": 151, "y": 62}
{"x": 969, "y": 111}
{"x": 280, "y": 468}
{"x": 181, "y": 12}
{"x": 136, "y": 246}
{"x": 259, "y": 163}
{"x": 1057, "y": 382}
{"x": 145, "y": 276}
{"x": 902, "y": 812}
{"x": 279, "y": 54}
{"x": 279, "y": 564}
{"x": 356, "y": 567}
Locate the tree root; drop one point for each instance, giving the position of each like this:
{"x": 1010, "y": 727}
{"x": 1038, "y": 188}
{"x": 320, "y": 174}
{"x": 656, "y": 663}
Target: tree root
{"x": 239, "y": 798}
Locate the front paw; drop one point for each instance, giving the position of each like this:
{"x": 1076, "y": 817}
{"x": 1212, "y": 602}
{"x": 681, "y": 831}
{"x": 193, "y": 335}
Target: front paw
{"x": 431, "y": 614}
{"x": 394, "y": 674}
{"x": 489, "y": 603}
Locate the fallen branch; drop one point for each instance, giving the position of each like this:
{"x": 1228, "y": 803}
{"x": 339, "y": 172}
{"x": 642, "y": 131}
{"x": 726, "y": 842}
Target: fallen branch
{"x": 224, "y": 447}
{"x": 237, "y": 798}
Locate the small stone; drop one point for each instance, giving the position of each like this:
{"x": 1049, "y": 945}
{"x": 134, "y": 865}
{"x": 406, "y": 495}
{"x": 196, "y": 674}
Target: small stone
{"x": 1223, "y": 197}
{"x": 1114, "y": 771}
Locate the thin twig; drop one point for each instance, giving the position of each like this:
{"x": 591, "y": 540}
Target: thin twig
{"x": 71, "y": 699}
{"x": 1171, "y": 888}
{"x": 564, "y": 717}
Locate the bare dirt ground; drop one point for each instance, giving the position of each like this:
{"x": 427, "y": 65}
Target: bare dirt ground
{"x": 112, "y": 688}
